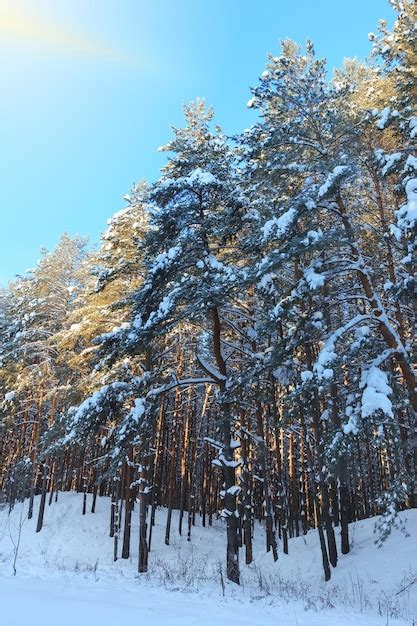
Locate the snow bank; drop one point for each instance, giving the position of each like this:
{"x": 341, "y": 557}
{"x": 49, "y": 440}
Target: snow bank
{"x": 66, "y": 574}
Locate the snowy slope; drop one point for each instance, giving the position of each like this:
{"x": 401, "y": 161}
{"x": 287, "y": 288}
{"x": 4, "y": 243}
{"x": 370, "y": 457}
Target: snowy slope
{"x": 68, "y": 569}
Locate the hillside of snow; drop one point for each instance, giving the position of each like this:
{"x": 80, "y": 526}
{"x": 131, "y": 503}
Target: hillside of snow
{"x": 66, "y": 573}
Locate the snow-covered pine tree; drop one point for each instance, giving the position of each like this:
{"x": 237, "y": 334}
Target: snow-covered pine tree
{"x": 191, "y": 277}
{"x": 35, "y": 383}
{"x": 395, "y": 118}
{"x": 102, "y": 306}
{"x": 310, "y": 229}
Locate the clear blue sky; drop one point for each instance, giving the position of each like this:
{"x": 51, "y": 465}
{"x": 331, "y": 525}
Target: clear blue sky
{"x": 90, "y": 89}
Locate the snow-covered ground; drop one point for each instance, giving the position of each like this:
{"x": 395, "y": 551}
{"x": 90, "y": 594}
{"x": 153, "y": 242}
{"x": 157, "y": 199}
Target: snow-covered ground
{"x": 66, "y": 575}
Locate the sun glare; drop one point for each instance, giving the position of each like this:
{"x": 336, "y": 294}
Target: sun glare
{"x": 37, "y": 30}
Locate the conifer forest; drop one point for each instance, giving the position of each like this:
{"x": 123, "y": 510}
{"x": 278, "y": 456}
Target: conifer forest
{"x": 239, "y": 349}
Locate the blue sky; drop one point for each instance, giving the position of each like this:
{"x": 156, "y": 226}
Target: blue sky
{"x": 91, "y": 88}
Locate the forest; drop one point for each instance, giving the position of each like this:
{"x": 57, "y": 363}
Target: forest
{"x": 241, "y": 344}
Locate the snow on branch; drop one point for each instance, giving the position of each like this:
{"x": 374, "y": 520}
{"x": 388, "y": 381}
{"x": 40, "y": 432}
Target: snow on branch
{"x": 210, "y": 369}
{"x": 407, "y": 214}
{"x": 327, "y": 353}
{"x": 376, "y": 390}
{"x": 278, "y": 226}
{"x": 333, "y": 181}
